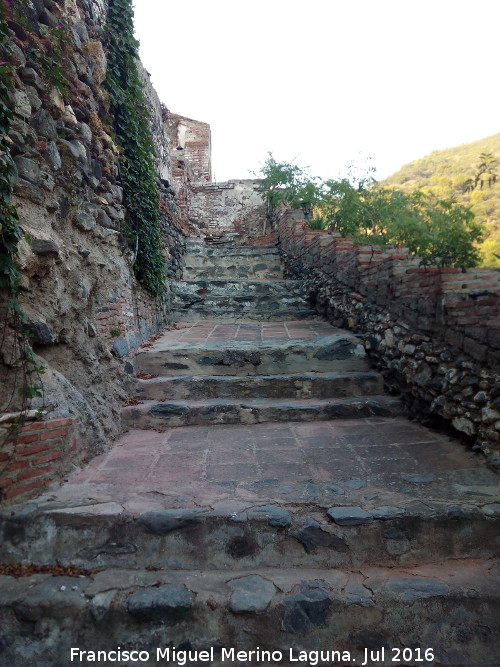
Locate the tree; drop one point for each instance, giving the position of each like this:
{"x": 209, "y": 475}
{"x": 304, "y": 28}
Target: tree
{"x": 440, "y": 231}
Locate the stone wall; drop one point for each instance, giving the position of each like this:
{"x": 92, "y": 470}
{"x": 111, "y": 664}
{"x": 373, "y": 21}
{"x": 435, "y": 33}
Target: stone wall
{"x": 84, "y": 307}
{"x": 234, "y": 207}
{"x": 433, "y": 333}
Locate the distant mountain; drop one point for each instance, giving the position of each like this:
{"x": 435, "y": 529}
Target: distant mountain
{"x": 471, "y": 174}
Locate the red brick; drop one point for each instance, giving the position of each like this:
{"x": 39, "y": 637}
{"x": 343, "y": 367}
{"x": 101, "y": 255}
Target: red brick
{"x": 4, "y": 483}
{"x": 57, "y": 433}
{"x": 33, "y": 449}
{"x": 44, "y": 458}
{"x": 17, "y": 465}
{"x": 34, "y": 426}
{"x": 33, "y": 472}
{"x": 18, "y": 490}
{"x": 25, "y": 439}
{"x": 57, "y": 423}
{"x": 4, "y": 456}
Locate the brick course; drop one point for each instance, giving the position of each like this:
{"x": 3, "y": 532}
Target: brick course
{"x": 38, "y": 453}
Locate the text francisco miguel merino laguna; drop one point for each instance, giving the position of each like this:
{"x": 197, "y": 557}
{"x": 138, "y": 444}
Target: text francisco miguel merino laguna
{"x": 231, "y": 655}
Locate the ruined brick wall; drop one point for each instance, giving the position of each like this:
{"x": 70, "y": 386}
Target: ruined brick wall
{"x": 190, "y": 139}
{"x": 231, "y": 207}
{"x": 433, "y": 333}
{"x": 84, "y": 307}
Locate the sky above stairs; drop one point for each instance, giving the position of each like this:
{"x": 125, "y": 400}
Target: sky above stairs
{"x": 325, "y": 82}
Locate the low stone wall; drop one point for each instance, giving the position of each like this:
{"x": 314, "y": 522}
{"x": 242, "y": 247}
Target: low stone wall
{"x": 433, "y": 333}
{"x": 37, "y": 454}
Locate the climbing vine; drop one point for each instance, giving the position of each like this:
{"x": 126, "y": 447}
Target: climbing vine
{"x": 131, "y": 125}
{"x": 21, "y": 357}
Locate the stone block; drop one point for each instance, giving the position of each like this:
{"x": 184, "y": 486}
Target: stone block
{"x": 167, "y": 604}
{"x": 251, "y": 595}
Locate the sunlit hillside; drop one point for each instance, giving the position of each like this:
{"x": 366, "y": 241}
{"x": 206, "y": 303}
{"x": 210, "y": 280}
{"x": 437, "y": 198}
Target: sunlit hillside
{"x": 457, "y": 172}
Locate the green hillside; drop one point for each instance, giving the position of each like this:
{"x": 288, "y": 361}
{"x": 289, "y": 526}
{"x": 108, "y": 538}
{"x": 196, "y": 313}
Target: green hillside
{"x": 453, "y": 173}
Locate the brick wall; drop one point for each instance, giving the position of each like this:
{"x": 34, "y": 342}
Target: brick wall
{"x": 191, "y": 139}
{"x": 37, "y": 454}
{"x": 433, "y": 333}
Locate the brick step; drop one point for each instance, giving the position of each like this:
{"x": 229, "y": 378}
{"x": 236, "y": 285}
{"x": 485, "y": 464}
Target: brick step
{"x": 304, "y": 385}
{"x": 295, "y": 612}
{"x": 232, "y": 535}
{"x": 340, "y": 352}
{"x": 152, "y": 414}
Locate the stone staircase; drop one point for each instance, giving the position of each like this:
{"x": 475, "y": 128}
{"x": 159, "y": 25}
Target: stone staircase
{"x": 246, "y": 382}
{"x": 230, "y": 281}
{"x": 268, "y": 497}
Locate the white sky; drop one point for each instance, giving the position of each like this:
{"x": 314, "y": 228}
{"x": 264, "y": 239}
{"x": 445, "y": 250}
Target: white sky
{"x": 326, "y": 82}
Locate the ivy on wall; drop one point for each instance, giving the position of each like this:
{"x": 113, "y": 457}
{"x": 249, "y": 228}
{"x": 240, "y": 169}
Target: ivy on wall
{"x": 137, "y": 172}
{"x": 26, "y": 372}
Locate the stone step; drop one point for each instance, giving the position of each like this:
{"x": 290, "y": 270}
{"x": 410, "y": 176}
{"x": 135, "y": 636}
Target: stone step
{"x": 235, "y": 535}
{"x": 240, "y": 288}
{"x": 340, "y": 352}
{"x": 272, "y": 313}
{"x": 231, "y": 250}
{"x": 417, "y": 616}
{"x": 240, "y": 297}
{"x": 304, "y": 385}
{"x": 244, "y": 271}
{"x": 167, "y": 413}
{"x": 232, "y": 262}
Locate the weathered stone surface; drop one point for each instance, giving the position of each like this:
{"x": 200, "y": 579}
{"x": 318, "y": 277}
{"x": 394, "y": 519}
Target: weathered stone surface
{"x": 45, "y": 247}
{"x": 44, "y": 124}
{"x": 414, "y": 588}
{"x": 167, "y": 604}
{"x": 306, "y": 609}
{"x": 28, "y": 191}
{"x": 56, "y": 597}
{"x": 349, "y": 516}
{"x": 312, "y": 536}
{"x": 166, "y": 410}
{"x": 101, "y": 603}
{"x": 42, "y": 333}
{"x": 84, "y": 222}
{"x": 120, "y": 347}
{"x": 52, "y": 155}
{"x": 22, "y": 106}
{"x": 164, "y": 521}
{"x": 419, "y": 478}
{"x": 276, "y": 516}
{"x": 355, "y": 483}
{"x": 492, "y": 510}
{"x": 387, "y": 512}
{"x": 251, "y": 595}
{"x": 342, "y": 349}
